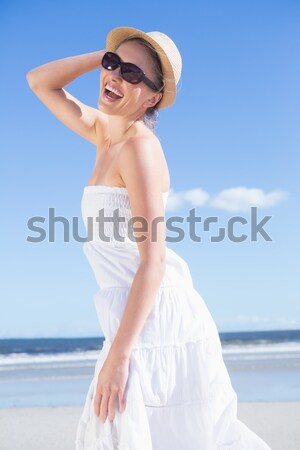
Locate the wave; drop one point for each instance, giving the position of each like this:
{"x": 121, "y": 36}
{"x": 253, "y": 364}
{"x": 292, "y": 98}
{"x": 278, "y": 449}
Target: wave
{"x": 231, "y": 352}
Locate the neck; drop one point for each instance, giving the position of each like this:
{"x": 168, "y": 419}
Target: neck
{"x": 120, "y": 127}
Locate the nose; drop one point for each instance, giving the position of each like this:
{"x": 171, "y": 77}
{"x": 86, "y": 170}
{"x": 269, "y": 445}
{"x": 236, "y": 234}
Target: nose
{"x": 116, "y": 74}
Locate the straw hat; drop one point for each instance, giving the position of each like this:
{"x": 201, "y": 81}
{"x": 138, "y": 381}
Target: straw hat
{"x": 168, "y": 52}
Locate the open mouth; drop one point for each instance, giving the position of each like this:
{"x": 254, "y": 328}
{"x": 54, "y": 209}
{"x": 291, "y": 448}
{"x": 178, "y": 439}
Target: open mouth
{"x": 112, "y": 94}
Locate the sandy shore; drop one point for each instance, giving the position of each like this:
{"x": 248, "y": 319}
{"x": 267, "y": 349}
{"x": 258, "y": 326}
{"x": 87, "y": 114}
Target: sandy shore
{"x": 53, "y": 428}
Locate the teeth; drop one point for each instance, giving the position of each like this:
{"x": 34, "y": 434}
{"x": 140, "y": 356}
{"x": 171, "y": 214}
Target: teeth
{"x": 110, "y": 88}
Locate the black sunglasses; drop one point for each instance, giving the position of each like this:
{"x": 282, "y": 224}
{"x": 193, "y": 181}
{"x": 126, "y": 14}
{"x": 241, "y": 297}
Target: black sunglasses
{"x": 129, "y": 72}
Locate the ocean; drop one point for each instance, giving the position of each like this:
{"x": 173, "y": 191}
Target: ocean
{"x": 263, "y": 366}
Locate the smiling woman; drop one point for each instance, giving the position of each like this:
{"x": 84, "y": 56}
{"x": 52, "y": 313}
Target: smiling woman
{"x": 133, "y": 74}
{"x": 160, "y": 381}
{"x": 151, "y": 113}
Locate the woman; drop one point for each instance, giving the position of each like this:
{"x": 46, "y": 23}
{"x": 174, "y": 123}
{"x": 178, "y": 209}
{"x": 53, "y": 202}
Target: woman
{"x": 160, "y": 382}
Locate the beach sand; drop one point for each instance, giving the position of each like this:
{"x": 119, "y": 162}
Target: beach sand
{"x": 53, "y": 428}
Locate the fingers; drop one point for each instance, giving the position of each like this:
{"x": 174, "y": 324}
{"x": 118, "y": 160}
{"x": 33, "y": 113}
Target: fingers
{"x": 111, "y": 405}
{"x": 97, "y": 402}
{"x": 104, "y": 406}
{"x": 122, "y": 402}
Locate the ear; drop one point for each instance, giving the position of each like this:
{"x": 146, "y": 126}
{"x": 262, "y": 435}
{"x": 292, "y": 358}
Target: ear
{"x": 153, "y": 100}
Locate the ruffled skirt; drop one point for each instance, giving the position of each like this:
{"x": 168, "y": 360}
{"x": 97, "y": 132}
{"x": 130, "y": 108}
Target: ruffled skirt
{"x": 178, "y": 395}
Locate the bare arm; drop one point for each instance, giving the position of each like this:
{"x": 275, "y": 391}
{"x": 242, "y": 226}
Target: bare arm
{"x": 47, "y": 82}
{"x": 141, "y": 173}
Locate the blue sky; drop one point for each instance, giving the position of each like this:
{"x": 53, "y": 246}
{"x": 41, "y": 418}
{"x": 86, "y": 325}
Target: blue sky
{"x": 231, "y": 141}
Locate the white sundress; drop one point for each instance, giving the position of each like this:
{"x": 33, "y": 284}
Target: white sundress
{"x": 179, "y": 394}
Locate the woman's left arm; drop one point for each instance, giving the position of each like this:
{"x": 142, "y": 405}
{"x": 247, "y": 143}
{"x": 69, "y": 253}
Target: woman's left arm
{"x": 141, "y": 174}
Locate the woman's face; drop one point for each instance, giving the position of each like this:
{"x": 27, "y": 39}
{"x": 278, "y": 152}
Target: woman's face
{"x": 136, "y": 98}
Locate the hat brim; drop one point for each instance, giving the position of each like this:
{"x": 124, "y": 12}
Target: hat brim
{"x": 117, "y": 35}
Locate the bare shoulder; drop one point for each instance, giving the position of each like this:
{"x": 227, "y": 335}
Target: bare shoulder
{"x": 142, "y": 159}
{"x": 142, "y": 147}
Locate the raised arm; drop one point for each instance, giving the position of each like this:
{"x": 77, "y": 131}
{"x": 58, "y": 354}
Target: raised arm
{"x": 47, "y": 82}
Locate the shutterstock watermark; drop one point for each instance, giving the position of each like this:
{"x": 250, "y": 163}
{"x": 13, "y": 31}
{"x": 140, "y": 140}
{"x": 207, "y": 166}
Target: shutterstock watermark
{"x": 252, "y": 228}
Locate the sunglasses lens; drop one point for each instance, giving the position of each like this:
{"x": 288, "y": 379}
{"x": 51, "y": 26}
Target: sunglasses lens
{"x": 110, "y": 61}
{"x": 131, "y": 73}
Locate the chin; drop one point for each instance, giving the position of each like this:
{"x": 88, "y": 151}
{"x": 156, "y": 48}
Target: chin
{"x": 106, "y": 109}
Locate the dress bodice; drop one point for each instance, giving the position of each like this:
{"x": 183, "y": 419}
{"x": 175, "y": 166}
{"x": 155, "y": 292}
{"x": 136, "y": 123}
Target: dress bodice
{"x": 106, "y": 213}
{"x": 115, "y": 260}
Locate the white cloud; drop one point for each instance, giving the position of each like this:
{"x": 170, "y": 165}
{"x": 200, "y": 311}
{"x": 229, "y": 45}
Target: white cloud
{"x": 196, "y": 197}
{"x": 242, "y": 198}
{"x": 234, "y": 199}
